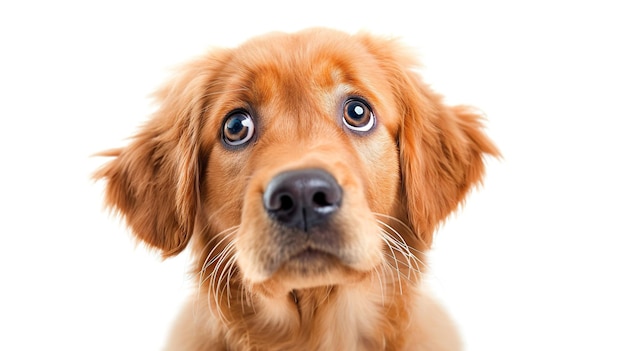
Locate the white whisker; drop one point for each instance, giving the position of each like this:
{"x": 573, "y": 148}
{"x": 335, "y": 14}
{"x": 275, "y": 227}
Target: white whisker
{"x": 380, "y": 282}
{"x": 405, "y": 226}
{"x": 384, "y": 236}
{"x": 401, "y": 258}
{"x": 221, "y": 267}
{"x": 406, "y": 252}
{"x": 226, "y": 274}
{"x": 409, "y": 248}
{"x": 222, "y": 259}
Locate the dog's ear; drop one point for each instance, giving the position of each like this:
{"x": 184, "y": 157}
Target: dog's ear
{"x": 442, "y": 148}
{"x": 153, "y": 183}
{"x": 442, "y": 152}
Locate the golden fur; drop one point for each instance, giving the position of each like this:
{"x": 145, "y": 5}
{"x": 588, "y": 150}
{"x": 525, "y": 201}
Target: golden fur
{"x": 180, "y": 184}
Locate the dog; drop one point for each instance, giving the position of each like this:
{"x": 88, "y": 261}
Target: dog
{"x": 307, "y": 173}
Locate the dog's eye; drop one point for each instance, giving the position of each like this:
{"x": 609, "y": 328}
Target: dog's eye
{"x": 358, "y": 116}
{"x": 238, "y": 128}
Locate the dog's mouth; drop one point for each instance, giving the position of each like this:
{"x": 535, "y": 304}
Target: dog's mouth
{"x": 310, "y": 260}
{"x": 311, "y": 255}
{"x": 313, "y": 266}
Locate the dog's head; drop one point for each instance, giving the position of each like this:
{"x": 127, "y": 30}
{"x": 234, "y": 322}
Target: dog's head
{"x": 297, "y": 160}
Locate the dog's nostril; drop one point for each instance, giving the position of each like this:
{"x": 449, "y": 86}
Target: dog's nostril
{"x": 319, "y": 199}
{"x": 286, "y": 203}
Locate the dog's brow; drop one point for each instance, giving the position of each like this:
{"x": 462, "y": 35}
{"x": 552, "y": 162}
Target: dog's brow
{"x": 222, "y": 92}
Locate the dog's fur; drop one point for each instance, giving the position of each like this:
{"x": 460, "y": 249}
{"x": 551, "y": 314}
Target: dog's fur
{"x": 350, "y": 283}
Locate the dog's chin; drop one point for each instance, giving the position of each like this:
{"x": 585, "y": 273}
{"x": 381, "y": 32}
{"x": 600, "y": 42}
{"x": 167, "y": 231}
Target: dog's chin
{"x": 311, "y": 268}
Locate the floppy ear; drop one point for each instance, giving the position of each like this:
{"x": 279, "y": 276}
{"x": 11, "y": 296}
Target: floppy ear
{"x": 441, "y": 154}
{"x": 153, "y": 183}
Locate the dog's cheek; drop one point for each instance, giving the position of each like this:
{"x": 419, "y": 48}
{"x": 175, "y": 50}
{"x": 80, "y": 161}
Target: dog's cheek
{"x": 380, "y": 156}
{"x": 356, "y": 222}
{"x": 362, "y": 240}
{"x": 224, "y": 188}
{"x": 253, "y": 239}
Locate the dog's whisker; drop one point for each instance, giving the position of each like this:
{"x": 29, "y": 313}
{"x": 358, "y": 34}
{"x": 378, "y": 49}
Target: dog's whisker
{"x": 243, "y": 298}
{"x": 393, "y": 268}
{"x": 228, "y": 247}
{"x": 408, "y": 249}
{"x": 220, "y": 266}
{"x": 396, "y": 232}
{"x": 405, "y": 227}
{"x": 226, "y": 235}
{"x": 222, "y": 261}
{"x": 403, "y": 245}
{"x": 403, "y": 264}
{"x": 231, "y": 271}
{"x": 227, "y": 272}
{"x": 223, "y": 256}
{"x": 329, "y": 289}
{"x": 248, "y": 297}
{"x": 384, "y": 237}
{"x": 380, "y": 282}
{"x": 410, "y": 262}
{"x": 216, "y": 261}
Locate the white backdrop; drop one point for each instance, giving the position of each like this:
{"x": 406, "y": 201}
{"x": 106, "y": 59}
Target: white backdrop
{"x": 535, "y": 261}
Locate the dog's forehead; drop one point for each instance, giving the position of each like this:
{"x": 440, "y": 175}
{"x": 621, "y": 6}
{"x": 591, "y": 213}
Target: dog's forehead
{"x": 301, "y": 67}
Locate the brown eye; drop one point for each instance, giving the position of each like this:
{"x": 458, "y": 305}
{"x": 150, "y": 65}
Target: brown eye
{"x": 238, "y": 128}
{"x": 358, "y": 116}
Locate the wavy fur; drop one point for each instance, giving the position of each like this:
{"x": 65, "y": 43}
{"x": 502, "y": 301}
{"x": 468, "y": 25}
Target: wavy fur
{"x": 177, "y": 184}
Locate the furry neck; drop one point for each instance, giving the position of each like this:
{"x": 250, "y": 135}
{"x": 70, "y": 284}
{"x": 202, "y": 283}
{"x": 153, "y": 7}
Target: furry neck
{"x": 363, "y": 316}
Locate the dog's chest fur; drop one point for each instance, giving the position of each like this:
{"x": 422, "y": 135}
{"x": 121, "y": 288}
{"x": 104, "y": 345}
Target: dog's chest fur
{"x": 345, "y": 318}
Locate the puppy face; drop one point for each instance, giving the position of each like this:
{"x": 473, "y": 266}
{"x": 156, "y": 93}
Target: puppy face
{"x": 323, "y": 118}
{"x": 297, "y": 161}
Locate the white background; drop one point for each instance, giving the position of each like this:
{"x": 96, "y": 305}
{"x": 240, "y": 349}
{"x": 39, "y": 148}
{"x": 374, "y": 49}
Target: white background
{"x": 535, "y": 261}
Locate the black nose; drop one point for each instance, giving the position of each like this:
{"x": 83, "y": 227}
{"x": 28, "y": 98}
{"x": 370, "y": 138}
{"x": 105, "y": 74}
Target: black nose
{"x": 303, "y": 198}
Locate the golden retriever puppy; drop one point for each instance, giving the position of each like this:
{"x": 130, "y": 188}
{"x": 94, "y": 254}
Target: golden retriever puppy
{"x": 307, "y": 173}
